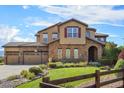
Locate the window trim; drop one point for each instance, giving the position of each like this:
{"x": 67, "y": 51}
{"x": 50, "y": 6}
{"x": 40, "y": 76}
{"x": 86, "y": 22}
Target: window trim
{"x": 59, "y": 54}
{"x": 88, "y": 34}
{"x": 45, "y": 38}
{"x": 68, "y": 56}
{"x": 56, "y": 37}
{"x": 77, "y": 56}
{"x": 78, "y": 32}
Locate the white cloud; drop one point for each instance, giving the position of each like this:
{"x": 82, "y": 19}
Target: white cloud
{"x": 25, "y": 7}
{"x": 7, "y": 33}
{"x": 37, "y": 21}
{"x": 41, "y": 23}
{"x": 12, "y": 33}
{"x": 88, "y": 14}
{"x": 21, "y": 39}
{"x": 111, "y": 24}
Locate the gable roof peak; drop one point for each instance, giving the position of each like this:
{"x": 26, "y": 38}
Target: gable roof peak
{"x": 73, "y": 19}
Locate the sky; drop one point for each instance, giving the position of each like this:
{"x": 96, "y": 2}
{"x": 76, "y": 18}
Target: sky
{"x": 20, "y": 23}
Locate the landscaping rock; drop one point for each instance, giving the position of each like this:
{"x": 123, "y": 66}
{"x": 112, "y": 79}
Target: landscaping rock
{"x": 13, "y": 83}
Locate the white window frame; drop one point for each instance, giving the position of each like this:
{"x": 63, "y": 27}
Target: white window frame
{"x": 59, "y": 53}
{"x": 88, "y": 34}
{"x": 45, "y": 37}
{"x": 76, "y": 55}
{"x": 102, "y": 39}
{"x": 72, "y": 31}
{"x": 68, "y": 53}
{"x": 54, "y": 36}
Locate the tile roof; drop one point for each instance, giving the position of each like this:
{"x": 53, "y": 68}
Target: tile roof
{"x": 100, "y": 34}
{"x": 103, "y": 43}
{"x": 60, "y": 23}
{"x": 16, "y": 44}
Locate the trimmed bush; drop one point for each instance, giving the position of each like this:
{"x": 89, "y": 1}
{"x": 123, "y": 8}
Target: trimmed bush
{"x": 43, "y": 66}
{"x": 52, "y": 65}
{"x": 106, "y": 61}
{"x": 59, "y": 65}
{"x": 13, "y": 77}
{"x": 62, "y": 65}
{"x": 69, "y": 65}
{"x": 35, "y": 70}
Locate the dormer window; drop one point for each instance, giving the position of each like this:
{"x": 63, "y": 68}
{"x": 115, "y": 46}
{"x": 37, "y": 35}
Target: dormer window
{"x": 54, "y": 36}
{"x": 72, "y": 32}
{"x": 88, "y": 34}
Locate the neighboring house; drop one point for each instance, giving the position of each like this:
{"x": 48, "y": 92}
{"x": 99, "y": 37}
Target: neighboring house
{"x": 71, "y": 39}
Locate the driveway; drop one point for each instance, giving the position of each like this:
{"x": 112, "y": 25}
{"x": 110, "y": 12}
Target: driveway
{"x": 8, "y": 70}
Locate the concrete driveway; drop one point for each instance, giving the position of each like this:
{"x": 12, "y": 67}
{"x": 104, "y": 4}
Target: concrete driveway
{"x": 8, "y": 70}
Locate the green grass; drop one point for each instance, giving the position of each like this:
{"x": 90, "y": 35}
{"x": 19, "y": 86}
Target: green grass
{"x": 63, "y": 73}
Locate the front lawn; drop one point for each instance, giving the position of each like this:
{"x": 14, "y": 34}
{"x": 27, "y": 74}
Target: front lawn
{"x": 62, "y": 73}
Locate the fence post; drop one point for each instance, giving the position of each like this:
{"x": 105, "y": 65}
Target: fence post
{"x": 97, "y": 79}
{"x": 123, "y": 77}
{"x": 46, "y": 79}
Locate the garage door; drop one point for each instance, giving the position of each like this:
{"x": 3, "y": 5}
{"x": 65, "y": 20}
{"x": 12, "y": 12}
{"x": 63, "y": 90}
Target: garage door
{"x": 12, "y": 59}
{"x": 32, "y": 58}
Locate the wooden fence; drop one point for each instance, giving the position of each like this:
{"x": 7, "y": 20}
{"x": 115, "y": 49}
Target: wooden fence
{"x": 46, "y": 83}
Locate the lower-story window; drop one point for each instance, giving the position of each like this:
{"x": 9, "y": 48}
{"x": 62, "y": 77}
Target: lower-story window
{"x": 59, "y": 53}
{"x": 67, "y": 53}
{"x": 75, "y": 53}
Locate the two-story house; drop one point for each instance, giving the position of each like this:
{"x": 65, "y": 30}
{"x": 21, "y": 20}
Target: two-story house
{"x": 71, "y": 39}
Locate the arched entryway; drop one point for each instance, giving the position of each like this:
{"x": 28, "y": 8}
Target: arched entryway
{"x": 92, "y": 54}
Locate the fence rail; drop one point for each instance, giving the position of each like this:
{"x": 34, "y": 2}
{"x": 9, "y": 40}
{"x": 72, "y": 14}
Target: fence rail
{"x": 46, "y": 83}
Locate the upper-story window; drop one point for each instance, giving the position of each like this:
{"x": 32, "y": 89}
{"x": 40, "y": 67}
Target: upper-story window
{"x": 88, "y": 34}
{"x": 54, "y": 36}
{"x": 72, "y": 32}
{"x": 101, "y": 39}
{"x": 45, "y": 38}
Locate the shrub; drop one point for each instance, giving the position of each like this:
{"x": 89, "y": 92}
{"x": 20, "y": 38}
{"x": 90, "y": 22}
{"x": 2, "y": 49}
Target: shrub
{"x": 27, "y": 74}
{"x": 1, "y": 61}
{"x": 69, "y": 65}
{"x": 59, "y": 64}
{"x": 119, "y": 64}
{"x": 30, "y": 76}
{"x": 81, "y": 64}
{"x": 35, "y": 70}
{"x": 97, "y": 64}
{"x": 43, "y": 66}
{"x": 13, "y": 77}
{"x": 24, "y": 73}
{"x": 106, "y": 61}
{"x": 52, "y": 65}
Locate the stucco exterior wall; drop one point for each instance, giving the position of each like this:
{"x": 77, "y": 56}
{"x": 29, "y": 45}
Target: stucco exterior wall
{"x": 49, "y": 31}
{"x": 64, "y": 40}
{"x": 92, "y": 33}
